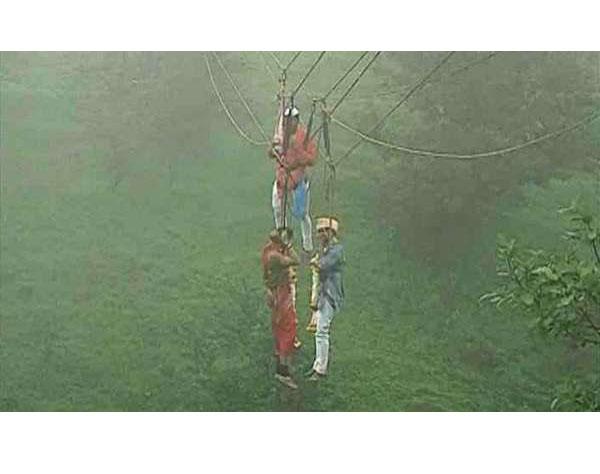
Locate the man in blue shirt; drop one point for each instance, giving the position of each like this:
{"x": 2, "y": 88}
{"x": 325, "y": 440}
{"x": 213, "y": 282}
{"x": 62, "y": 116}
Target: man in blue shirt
{"x": 329, "y": 262}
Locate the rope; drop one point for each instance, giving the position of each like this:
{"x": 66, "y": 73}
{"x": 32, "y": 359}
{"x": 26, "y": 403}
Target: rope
{"x": 350, "y": 88}
{"x": 310, "y": 124}
{"x": 471, "y": 156}
{"x": 224, "y": 106}
{"x": 271, "y": 73}
{"x": 473, "y": 63}
{"x": 354, "y": 83}
{"x": 345, "y": 75}
{"x": 308, "y": 73}
{"x": 285, "y": 200}
{"x": 309, "y": 94}
{"x": 276, "y": 60}
{"x": 282, "y": 82}
{"x": 293, "y": 60}
{"x": 414, "y": 89}
{"x": 449, "y": 74}
{"x": 280, "y": 101}
{"x": 230, "y": 116}
{"x": 330, "y": 176}
{"x": 290, "y": 62}
{"x": 330, "y": 172}
{"x": 241, "y": 96}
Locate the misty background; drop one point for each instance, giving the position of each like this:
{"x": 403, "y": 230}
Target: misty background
{"x": 133, "y": 214}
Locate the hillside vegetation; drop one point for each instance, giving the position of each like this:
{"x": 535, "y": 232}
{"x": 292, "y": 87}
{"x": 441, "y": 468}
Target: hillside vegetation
{"x": 133, "y": 214}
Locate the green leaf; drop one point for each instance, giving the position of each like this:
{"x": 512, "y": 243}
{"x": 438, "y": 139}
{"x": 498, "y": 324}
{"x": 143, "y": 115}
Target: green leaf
{"x": 547, "y": 272}
{"x": 570, "y": 209}
{"x": 487, "y": 296}
{"x": 527, "y": 299}
{"x": 566, "y": 301}
{"x": 584, "y": 271}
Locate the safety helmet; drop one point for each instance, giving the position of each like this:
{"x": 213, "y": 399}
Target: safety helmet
{"x": 291, "y": 112}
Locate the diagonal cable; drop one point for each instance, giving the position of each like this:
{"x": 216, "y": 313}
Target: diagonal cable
{"x": 468, "y": 156}
{"x": 308, "y": 73}
{"x": 226, "y": 109}
{"x": 293, "y": 60}
{"x": 350, "y": 88}
{"x": 241, "y": 96}
{"x": 407, "y": 96}
{"x": 345, "y": 75}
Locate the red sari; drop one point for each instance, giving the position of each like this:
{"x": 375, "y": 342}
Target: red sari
{"x": 279, "y": 299}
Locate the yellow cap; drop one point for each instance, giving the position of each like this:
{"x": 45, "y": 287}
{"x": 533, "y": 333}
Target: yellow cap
{"x": 327, "y": 223}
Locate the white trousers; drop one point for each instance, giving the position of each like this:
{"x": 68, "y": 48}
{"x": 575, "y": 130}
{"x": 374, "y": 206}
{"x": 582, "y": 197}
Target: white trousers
{"x": 305, "y": 223}
{"x": 324, "y": 317}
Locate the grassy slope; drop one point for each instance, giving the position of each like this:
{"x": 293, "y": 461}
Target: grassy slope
{"x": 150, "y": 297}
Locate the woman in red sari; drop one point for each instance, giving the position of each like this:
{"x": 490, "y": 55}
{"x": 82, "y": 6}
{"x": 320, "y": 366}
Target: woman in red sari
{"x": 279, "y": 261}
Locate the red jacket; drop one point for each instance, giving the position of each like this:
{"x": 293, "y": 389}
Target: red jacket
{"x": 298, "y": 156}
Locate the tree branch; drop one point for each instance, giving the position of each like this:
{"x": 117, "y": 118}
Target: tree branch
{"x": 593, "y": 242}
{"x": 596, "y": 251}
{"x": 514, "y": 273}
{"x": 578, "y": 339}
{"x": 586, "y": 316}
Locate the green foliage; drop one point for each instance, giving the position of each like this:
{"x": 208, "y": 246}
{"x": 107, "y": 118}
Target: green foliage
{"x": 577, "y": 395}
{"x": 148, "y": 295}
{"x": 506, "y": 100}
{"x": 560, "y": 291}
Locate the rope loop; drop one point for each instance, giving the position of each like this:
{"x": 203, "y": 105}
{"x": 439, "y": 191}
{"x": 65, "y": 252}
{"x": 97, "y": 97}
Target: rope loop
{"x": 330, "y": 178}
{"x": 325, "y": 120}
{"x": 310, "y": 123}
{"x": 330, "y": 167}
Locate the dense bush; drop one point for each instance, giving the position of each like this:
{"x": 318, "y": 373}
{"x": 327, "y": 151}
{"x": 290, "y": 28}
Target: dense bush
{"x": 560, "y": 292}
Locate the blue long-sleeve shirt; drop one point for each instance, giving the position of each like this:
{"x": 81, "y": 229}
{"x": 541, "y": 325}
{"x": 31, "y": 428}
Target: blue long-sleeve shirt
{"x": 331, "y": 262}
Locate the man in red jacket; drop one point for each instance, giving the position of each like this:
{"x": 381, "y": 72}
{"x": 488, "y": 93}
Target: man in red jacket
{"x": 296, "y": 152}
